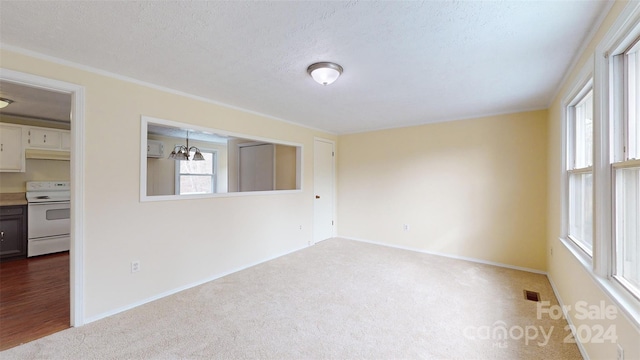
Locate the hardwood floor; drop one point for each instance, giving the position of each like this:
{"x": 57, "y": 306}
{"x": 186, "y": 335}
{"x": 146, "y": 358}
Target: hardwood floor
{"x": 34, "y": 298}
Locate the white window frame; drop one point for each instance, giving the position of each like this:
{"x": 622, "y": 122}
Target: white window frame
{"x": 575, "y": 97}
{"x": 602, "y": 264}
{"x": 634, "y": 289}
{"x": 622, "y": 92}
{"x": 214, "y": 174}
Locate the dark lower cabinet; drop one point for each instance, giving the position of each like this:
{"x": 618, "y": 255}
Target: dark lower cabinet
{"x": 13, "y": 232}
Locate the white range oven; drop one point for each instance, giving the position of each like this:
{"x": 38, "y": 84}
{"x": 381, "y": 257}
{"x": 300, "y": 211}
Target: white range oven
{"x": 48, "y": 217}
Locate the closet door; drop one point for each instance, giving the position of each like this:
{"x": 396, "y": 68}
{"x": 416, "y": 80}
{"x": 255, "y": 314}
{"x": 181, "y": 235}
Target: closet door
{"x": 257, "y": 167}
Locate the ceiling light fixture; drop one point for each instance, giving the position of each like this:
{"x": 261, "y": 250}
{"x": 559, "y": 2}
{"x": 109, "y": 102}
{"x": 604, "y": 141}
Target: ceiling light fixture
{"x": 325, "y": 73}
{"x": 183, "y": 152}
{"x": 4, "y": 102}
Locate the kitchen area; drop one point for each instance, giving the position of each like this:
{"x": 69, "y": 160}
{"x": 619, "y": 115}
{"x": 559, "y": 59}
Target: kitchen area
{"x": 35, "y": 212}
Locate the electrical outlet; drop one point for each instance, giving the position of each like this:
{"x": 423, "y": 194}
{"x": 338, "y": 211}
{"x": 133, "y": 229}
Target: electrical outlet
{"x": 405, "y": 227}
{"x": 300, "y": 227}
{"x": 620, "y": 352}
{"x": 135, "y": 266}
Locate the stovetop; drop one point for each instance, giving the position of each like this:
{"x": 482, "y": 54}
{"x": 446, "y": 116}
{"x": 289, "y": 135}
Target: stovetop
{"x": 48, "y": 191}
{"x": 48, "y": 186}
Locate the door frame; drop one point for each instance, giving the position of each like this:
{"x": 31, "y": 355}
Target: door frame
{"x": 76, "y": 258}
{"x": 333, "y": 187}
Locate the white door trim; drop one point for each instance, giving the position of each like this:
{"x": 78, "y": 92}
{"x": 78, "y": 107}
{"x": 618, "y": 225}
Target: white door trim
{"x": 333, "y": 188}
{"x": 77, "y": 180}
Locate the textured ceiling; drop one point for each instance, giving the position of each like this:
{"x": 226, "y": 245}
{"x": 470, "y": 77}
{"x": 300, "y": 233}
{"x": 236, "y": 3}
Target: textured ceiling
{"x": 174, "y": 132}
{"x": 405, "y": 63}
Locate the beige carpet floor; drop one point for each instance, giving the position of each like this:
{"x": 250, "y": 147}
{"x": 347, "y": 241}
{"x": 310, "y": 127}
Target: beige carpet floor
{"x": 339, "y": 299}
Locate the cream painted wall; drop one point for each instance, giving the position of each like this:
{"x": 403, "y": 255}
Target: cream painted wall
{"x": 571, "y": 279}
{"x": 472, "y": 188}
{"x": 36, "y": 170}
{"x": 177, "y": 242}
{"x": 285, "y": 167}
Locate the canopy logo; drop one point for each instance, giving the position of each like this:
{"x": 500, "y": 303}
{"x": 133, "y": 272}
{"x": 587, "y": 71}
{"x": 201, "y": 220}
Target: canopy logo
{"x": 500, "y": 333}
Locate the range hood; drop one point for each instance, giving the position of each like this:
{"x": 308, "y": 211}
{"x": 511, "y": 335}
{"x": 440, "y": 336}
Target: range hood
{"x": 47, "y": 154}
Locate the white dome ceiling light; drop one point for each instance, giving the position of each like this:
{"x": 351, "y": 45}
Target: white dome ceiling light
{"x": 325, "y": 73}
{"x": 4, "y": 102}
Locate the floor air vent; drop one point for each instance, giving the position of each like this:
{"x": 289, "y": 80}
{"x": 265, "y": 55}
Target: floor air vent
{"x": 531, "y": 295}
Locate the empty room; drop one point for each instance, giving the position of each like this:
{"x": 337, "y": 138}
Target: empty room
{"x": 320, "y": 179}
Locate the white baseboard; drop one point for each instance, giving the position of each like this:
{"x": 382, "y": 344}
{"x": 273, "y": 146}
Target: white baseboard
{"x": 565, "y": 312}
{"x": 475, "y": 260}
{"x": 185, "y": 287}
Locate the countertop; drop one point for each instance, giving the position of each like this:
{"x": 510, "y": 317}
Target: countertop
{"x": 11, "y": 199}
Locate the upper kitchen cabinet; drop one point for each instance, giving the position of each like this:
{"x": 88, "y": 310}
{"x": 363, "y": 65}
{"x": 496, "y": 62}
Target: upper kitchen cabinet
{"x": 43, "y": 138}
{"x": 20, "y": 142}
{"x": 65, "y": 140}
{"x": 155, "y": 149}
{"x": 39, "y": 141}
{"x": 11, "y": 149}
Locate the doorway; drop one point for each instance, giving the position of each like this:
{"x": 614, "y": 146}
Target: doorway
{"x": 324, "y": 189}
{"x": 76, "y": 260}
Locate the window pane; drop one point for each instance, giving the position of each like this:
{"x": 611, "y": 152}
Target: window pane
{"x": 628, "y": 224}
{"x": 197, "y": 167}
{"x": 584, "y": 132}
{"x": 581, "y": 210}
{"x": 634, "y": 106}
{"x": 196, "y": 184}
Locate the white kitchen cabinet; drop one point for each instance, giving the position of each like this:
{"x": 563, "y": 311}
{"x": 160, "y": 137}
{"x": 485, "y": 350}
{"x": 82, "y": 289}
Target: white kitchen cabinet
{"x": 65, "y": 140}
{"x": 155, "y": 149}
{"x": 11, "y": 149}
{"x": 42, "y": 138}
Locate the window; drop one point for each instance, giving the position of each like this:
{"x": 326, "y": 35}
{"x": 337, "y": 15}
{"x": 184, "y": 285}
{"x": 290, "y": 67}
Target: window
{"x": 601, "y": 165}
{"x": 580, "y": 169}
{"x": 627, "y": 226}
{"x": 626, "y": 167}
{"x": 196, "y": 177}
